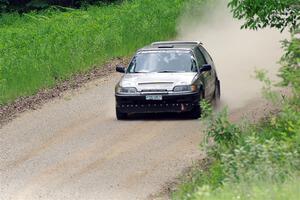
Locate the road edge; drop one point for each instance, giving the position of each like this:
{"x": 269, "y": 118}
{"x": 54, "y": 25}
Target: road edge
{"x": 14, "y": 109}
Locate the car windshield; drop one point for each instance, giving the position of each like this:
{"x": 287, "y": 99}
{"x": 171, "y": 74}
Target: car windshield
{"x": 162, "y": 62}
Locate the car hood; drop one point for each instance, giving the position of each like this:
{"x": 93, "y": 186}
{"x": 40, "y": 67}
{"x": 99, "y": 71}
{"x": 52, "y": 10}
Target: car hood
{"x": 156, "y": 81}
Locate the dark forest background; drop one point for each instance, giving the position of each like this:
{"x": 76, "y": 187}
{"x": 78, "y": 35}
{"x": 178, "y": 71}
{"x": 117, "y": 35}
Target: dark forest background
{"x": 28, "y": 5}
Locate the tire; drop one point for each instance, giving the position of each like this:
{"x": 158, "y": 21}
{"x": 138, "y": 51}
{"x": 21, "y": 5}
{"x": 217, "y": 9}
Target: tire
{"x": 217, "y": 94}
{"x": 121, "y": 115}
{"x": 195, "y": 113}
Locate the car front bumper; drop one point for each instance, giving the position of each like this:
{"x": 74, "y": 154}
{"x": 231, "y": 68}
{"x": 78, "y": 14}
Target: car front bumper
{"x": 182, "y": 102}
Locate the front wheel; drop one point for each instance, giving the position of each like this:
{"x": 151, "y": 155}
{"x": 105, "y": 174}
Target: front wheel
{"x": 121, "y": 115}
{"x": 195, "y": 113}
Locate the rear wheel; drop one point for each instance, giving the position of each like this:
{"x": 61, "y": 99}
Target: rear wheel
{"x": 121, "y": 115}
{"x": 217, "y": 94}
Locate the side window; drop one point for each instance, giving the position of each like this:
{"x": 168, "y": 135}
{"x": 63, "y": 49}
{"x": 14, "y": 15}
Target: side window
{"x": 131, "y": 66}
{"x": 206, "y": 55}
{"x": 200, "y": 58}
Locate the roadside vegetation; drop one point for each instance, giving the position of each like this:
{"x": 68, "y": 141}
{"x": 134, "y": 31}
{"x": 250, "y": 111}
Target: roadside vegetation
{"x": 40, "y": 49}
{"x": 255, "y": 161}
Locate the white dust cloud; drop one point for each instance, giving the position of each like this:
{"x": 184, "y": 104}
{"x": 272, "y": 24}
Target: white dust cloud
{"x": 237, "y": 53}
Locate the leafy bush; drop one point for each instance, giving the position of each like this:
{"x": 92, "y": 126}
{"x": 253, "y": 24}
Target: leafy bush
{"x": 255, "y": 160}
{"x": 222, "y": 131}
{"x": 290, "y": 70}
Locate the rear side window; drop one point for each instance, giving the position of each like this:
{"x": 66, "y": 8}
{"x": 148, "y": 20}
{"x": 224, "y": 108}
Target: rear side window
{"x": 199, "y": 57}
{"x": 206, "y": 55}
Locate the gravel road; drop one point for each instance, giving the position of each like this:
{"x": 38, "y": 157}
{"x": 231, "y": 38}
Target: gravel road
{"x": 74, "y": 148}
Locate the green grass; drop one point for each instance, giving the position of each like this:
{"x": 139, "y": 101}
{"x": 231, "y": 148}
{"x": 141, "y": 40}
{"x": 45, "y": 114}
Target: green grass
{"x": 39, "y": 49}
{"x": 252, "y": 191}
{"x": 198, "y": 176}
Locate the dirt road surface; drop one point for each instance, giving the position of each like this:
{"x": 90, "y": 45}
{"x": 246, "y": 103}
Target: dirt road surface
{"x": 73, "y": 148}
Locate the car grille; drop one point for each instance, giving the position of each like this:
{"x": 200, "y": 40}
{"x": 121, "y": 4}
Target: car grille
{"x": 155, "y": 90}
{"x": 156, "y": 107}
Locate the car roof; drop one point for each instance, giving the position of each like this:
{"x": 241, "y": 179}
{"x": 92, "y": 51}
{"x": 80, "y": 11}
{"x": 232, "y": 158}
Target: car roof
{"x": 171, "y": 45}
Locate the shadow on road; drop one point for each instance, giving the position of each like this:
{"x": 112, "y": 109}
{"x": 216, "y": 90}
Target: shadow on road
{"x": 160, "y": 116}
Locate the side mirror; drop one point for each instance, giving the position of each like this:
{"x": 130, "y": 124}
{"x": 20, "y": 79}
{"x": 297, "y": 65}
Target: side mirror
{"x": 120, "y": 69}
{"x": 205, "y": 68}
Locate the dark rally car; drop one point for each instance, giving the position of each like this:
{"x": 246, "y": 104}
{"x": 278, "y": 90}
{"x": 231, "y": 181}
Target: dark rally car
{"x": 171, "y": 76}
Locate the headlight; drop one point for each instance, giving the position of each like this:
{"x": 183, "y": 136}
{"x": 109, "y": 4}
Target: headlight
{"x": 185, "y": 88}
{"x": 126, "y": 90}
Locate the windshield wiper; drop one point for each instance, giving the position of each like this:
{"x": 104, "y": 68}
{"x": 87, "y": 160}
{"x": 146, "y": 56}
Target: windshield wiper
{"x": 166, "y": 71}
{"x": 169, "y": 71}
{"x": 139, "y": 72}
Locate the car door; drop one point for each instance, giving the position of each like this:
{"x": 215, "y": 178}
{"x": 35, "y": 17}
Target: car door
{"x": 211, "y": 74}
{"x": 204, "y": 76}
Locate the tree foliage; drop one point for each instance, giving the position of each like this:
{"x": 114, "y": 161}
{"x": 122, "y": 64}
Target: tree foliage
{"x": 290, "y": 70}
{"x": 280, "y": 14}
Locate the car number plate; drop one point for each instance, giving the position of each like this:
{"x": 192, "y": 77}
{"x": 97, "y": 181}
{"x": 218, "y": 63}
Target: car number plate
{"x": 154, "y": 97}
